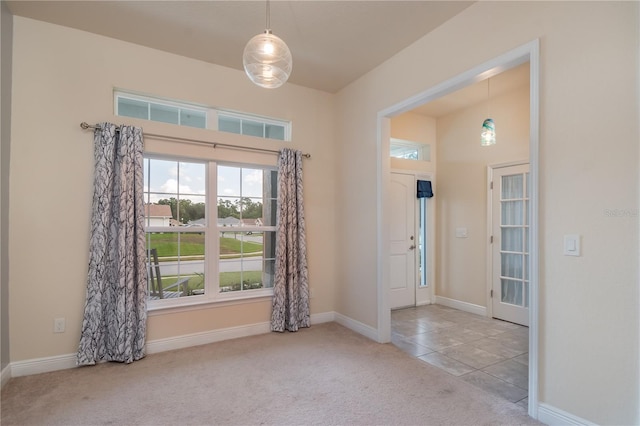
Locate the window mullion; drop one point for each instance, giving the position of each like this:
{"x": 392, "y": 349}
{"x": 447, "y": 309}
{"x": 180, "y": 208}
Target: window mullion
{"x": 212, "y": 245}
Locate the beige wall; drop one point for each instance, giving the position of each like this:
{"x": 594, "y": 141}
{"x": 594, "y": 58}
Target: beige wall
{"x": 461, "y": 263}
{"x": 588, "y": 77}
{"x": 6, "y": 27}
{"x": 68, "y": 76}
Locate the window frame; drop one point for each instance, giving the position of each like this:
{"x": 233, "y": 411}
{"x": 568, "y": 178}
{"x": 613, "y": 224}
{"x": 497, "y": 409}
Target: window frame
{"x": 160, "y": 102}
{"x": 212, "y": 115}
{"x": 423, "y": 150}
{"x": 259, "y": 119}
{"x": 211, "y": 231}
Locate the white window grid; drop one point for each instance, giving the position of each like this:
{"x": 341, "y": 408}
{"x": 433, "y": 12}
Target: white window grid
{"x": 212, "y": 115}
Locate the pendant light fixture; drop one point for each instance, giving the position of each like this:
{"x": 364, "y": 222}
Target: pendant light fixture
{"x": 267, "y": 59}
{"x": 488, "y": 135}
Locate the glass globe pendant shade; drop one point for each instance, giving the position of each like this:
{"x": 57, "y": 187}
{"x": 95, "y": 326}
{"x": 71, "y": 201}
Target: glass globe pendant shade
{"x": 488, "y": 135}
{"x": 267, "y": 60}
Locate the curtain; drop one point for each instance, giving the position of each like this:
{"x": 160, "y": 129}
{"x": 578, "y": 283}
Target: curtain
{"x": 291, "y": 287}
{"x": 115, "y": 313}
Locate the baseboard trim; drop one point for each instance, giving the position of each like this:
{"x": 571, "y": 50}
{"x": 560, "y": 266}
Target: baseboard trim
{"x": 64, "y": 362}
{"x": 553, "y": 416}
{"x": 213, "y": 336}
{"x": 5, "y": 375}
{"x": 323, "y": 317}
{"x": 42, "y": 365}
{"x": 357, "y": 326}
{"x": 462, "y": 306}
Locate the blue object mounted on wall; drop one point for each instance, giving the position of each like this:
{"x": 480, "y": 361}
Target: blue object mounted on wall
{"x": 424, "y": 189}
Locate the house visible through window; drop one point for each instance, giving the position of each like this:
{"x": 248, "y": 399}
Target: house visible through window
{"x": 206, "y": 240}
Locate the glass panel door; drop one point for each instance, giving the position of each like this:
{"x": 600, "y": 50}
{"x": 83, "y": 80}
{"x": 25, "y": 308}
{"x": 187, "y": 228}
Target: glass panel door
{"x": 510, "y": 204}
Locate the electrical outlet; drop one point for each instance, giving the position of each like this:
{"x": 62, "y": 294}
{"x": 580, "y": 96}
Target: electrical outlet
{"x": 58, "y": 325}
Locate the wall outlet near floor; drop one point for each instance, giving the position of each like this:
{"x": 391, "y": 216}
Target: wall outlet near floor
{"x": 59, "y": 325}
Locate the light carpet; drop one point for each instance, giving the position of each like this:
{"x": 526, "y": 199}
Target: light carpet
{"x": 323, "y": 375}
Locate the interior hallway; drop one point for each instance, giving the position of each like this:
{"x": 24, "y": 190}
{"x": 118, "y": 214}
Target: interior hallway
{"x": 488, "y": 353}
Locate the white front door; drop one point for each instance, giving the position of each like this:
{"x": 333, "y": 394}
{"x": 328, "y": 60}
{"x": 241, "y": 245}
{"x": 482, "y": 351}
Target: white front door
{"x": 510, "y": 252}
{"x": 403, "y": 240}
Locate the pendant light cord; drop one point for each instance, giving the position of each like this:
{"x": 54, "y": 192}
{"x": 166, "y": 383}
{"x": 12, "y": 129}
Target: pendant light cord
{"x": 268, "y": 18}
{"x": 489, "y": 97}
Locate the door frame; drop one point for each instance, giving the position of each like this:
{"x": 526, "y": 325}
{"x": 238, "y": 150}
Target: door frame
{"x": 489, "y": 280}
{"x": 529, "y": 52}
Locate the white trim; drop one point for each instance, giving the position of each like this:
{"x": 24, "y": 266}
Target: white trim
{"x": 489, "y": 244}
{"x": 5, "y": 375}
{"x": 462, "y": 306}
{"x": 206, "y": 337}
{"x": 528, "y": 52}
{"x": 534, "y": 290}
{"x": 553, "y": 416}
{"x": 382, "y": 209}
{"x": 65, "y": 362}
{"x": 213, "y": 336}
{"x": 357, "y": 326}
{"x": 43, "y": 365}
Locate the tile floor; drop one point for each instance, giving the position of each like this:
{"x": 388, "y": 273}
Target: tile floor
{"x": 488, "y": 353}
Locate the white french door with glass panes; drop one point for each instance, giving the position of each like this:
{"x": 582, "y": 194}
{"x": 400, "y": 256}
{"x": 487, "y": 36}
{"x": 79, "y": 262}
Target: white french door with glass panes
{"x": 510, "y": 248}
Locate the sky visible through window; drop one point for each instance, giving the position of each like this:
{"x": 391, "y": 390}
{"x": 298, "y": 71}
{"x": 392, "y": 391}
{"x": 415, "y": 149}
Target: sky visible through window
{"x": 168, "y": 178}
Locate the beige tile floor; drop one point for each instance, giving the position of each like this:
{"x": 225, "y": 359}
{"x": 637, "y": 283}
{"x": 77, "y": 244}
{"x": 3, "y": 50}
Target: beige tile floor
{"x": 488, "y": 353}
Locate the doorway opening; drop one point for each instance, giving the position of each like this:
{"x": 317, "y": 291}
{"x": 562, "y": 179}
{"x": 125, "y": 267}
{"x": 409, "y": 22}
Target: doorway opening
{"x": 526, "y": 53}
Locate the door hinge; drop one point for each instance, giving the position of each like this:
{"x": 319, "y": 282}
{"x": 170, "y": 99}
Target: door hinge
{"x": 491, "y": 185}
{"x": 491, "y": 240}
{"x": 491, "y": 293}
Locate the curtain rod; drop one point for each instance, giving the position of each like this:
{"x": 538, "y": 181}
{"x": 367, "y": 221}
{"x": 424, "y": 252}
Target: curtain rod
{"x": 86, "y": 126}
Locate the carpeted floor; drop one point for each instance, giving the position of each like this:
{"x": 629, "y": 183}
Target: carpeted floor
{"x": 324, "y": 375}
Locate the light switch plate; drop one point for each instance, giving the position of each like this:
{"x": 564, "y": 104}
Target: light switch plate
{"x": 461, "y": 233}
{"x": 572, "y": 245}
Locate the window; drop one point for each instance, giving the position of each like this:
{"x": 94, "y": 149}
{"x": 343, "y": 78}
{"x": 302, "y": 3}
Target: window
{"x": 246, "y": 226}
{"x": 253, "y": 126}
{"x": 163, "y": 111}
{"x": 184, "y": 114}
{"x": 206, "y": 240}
{"x": 410, "y": 150}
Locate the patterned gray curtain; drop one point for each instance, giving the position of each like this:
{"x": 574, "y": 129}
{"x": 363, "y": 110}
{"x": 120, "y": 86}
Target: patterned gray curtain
{"x": 115, "y": 313}
{"x": 291, "y": 287}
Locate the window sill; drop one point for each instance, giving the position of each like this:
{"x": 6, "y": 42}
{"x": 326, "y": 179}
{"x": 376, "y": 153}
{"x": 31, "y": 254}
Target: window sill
{"x": 193, "y": 303}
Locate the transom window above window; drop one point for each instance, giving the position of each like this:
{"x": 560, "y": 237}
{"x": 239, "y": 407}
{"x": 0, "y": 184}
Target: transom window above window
{"x": 210, "y": 230}
{"x": 184, "y": 114}
{"x": 409, "y": 150}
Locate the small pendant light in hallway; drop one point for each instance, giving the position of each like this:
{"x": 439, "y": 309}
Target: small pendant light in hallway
{"x": 488, "y": 135}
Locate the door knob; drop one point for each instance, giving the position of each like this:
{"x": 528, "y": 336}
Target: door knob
{"x": 412, "y": 247}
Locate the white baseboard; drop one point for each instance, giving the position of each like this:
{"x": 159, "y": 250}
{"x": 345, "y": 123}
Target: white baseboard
{"x": 196, "y": 339}
{"x": 42, "y": 365}
{"x": 206, "y": 337}
{"x": 5, "y": 375}
{"x": 63, "y": 362}
{"x": 357, "y": 326}
{"x": 553, "y": 416}
{"x": 462, "y": 306}
{"x": 323, "y": 317}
